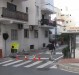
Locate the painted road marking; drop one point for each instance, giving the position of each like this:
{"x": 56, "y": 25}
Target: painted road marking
{"x": 35, "y": 63}
{"x": 12, "y": 63}
{"x": 56, "y": 52}
{"x": 40, "y": 58}
{"x": 26, "y": 62}
{"x": 58, "y": 58}
{"x": 6, "y": 61}
{"x": 44, "y": 65}
{"x": 53, "y": 67}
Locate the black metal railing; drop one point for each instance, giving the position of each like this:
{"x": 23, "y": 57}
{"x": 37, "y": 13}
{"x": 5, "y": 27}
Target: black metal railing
{"x": 14, "y": 14}
{"x": 47, "y": 22}
{"x": 44, "y": 21}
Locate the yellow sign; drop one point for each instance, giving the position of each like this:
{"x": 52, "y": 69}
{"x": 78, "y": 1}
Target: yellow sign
{"x": 15, "y": 44}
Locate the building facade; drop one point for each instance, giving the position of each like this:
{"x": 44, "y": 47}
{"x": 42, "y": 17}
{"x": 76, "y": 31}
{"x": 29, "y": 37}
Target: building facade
{"x": 26, "y": 22}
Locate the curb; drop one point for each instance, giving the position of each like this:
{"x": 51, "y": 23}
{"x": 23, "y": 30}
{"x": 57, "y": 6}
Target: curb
{"x": 68, "y": 68}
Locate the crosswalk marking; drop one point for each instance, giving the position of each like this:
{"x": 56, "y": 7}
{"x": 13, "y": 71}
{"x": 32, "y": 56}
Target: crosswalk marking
{"x": 35, "y": 63}
{"x": 47, "y": 52}
{"x": 44, "y": 65}
{"x": 12, "y": 63}
{"x": 53, "y": 67}
{"x": 58, "y": 52}
{"x": 29, "y": 64}
{"x": 26, "y": 62}
{"x": 6, "y": 61}
{"x": 44, "y": 58}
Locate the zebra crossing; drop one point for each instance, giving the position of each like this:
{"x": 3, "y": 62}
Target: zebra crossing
{"x": 47, "y": 52}
{"x": 28, "y": 64}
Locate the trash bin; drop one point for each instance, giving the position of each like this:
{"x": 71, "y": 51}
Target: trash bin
{"x": 14, "y": 47}
{"x": 13, "y": 50}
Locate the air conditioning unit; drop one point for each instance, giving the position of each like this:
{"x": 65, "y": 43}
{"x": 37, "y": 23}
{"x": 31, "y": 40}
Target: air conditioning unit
{"x": 31, "y": 27}
{"x": 20, "y": 26}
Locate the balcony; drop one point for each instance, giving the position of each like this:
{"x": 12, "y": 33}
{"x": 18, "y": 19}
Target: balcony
{"x": 47, "y": 8}
{"x": 16, "y": 15}
{"x": 47, "y": 23}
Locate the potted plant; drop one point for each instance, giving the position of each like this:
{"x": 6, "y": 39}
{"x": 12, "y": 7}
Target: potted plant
{"x": 66, "y": 52}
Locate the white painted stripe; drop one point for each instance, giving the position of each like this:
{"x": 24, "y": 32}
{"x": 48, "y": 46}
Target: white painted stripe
{"x": 6, "y": 61}
{"x": 40, "y": 58}
{"x": 35, "y": 63}
{"x": 26, "y": 62}
{"x": 58, "y": 57}
{"x": 58, "y": 52}
{"x": 53, "y": 66}
{"x": 12, "y": 63}
{"x": 44, "y": 65}
{"x": 47, "y": 52}
{"x": 44, "y": 58}
{"x": 41, "y": 53}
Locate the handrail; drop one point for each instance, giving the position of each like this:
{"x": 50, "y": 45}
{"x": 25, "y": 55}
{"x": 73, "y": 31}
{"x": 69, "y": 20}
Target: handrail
{"x": 14, "y": 14}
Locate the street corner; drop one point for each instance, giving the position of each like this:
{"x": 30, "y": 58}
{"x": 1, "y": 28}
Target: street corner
{"x": 69, "y": 68}
{"x": 70, "y": 65}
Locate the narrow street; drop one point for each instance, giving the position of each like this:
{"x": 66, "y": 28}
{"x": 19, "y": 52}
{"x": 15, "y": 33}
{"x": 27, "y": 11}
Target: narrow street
{"x": 10, "y": 66}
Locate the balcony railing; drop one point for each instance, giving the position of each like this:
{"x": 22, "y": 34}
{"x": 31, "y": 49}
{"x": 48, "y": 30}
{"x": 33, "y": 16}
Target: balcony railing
{"x": 47, "y": 22}
{"x": 14, "y": 14}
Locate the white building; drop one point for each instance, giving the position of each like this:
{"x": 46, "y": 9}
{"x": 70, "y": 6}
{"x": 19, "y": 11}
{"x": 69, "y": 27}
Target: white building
{"x": 26, "y": 22}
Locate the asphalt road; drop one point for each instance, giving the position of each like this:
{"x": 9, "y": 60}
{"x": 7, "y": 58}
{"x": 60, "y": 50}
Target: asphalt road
{"x": 43, "y": 67}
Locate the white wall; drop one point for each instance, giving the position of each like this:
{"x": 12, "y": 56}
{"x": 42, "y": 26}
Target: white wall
{"x": 50, "y": 2}
{"x": 20, "y": 5}
{"x": 33, "y": 20}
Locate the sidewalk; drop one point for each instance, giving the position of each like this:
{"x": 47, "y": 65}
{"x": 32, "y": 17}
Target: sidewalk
{"x": 34, "y": 52}
{"x": 69, "y": 65}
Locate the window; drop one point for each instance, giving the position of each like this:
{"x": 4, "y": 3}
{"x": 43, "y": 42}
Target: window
{"x": 61, "y": 9}
{"x": 62, "y": 15}
{"x": 27, "y": 9}
{"x": 31, "y": 46}
{"x": 37, "y": 10}
{"x": 26, "y": 33}
{"x": 11, "y": 6}
{"x": 46, "y": 33}
{"x": 70, "y": 14}
{"x": 44, "y": 44}
{"x": 66, "y": 21}
{"x": 36, "y": 33}
{"x": 14, "y": 34}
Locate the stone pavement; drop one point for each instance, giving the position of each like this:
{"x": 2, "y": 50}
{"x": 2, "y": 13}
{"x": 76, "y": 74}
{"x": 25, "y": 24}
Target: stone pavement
{"x": 71, "y": 65}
